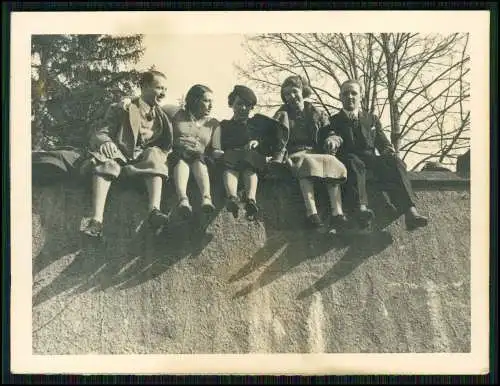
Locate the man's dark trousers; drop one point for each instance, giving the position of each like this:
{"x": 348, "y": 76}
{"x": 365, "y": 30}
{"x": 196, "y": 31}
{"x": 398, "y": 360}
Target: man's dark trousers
{"x": 389, "y": 172}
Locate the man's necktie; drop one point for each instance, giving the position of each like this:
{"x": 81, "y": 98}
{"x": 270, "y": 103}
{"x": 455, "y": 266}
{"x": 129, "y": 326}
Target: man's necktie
{"x": 356, "y": 130}
{"x": 151, "y": 114}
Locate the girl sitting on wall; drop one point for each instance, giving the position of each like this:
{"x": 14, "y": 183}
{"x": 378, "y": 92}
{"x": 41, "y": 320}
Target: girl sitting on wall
{"x": 193, "y": 129}
{"x": 310, "y": 155}
{"x": 244, "y": 144}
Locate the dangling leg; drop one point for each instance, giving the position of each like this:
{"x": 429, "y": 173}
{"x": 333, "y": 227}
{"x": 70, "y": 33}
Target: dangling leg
{"x": 230, "y": 178}
{"x": 103, "y": 175}
{"x": 231, "y": 182}
{"x": 200, "y": 172}
{"x": 392, "y": 171}
{"x": 181, "y": 178}
{"x": 335, "y": 199}
{"x": 355, "y": 187}
{"x": 337, "y": 219}
{"x": 100, "y": 187}
{"x": 307, "y": 189}
{"x": 251, "y": 181}
{"x": 154, "y": 185}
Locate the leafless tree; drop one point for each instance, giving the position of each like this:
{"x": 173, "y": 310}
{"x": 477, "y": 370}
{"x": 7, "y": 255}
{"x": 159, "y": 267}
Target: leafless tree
{"x": 447, "y": 119}
{"x": 419, "y": 79}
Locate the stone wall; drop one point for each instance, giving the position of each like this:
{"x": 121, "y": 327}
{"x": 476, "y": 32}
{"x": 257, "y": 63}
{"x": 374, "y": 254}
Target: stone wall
{"x": 226, "y": 285}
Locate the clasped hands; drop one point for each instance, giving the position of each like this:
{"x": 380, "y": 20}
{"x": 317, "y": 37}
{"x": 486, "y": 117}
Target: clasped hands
{"x": 331, "y": 145}
{"x": 109, "y": 149}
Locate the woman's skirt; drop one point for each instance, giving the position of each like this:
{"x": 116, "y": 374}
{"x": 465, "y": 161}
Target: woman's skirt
{"x": 306, "y": 164}
{"x": 187, "y": 156}
{"x": 240, "y": 159}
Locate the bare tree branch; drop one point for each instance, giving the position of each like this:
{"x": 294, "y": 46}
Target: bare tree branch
{"x": 422, "y": 78}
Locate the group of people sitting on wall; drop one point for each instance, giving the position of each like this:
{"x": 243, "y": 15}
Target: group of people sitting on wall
{"x": 139, "y": 138}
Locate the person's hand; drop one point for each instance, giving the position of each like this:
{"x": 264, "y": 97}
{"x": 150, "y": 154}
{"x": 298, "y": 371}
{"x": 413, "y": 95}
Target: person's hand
{"x": 252, "y": 144}
{"x": 125, "y": 103}
{"x": 218, "y": 153}
{"x": 331, "y": 146}
{"x": 109, "y": 149}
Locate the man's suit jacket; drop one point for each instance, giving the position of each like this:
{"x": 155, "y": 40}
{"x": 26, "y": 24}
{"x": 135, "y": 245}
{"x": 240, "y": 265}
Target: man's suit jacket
{"x": 371, "y": 134}
{"x": 121, "y": 125}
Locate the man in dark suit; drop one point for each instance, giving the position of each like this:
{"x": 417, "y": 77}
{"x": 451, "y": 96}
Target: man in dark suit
{"x": 362, "y": 134}
{"x": 135, "y": 139}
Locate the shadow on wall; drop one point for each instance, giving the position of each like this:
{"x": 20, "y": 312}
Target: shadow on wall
{"x": 289, "y": 243}
{"x": 126, "y": 259}
{"x": 359, "y": 250}
{"x": 293, "y": 250}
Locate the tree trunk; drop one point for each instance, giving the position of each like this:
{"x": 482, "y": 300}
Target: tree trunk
{"x": 391, "y": 91}
{"x": 395, "y": 126}
{"x": 38, "y": 101}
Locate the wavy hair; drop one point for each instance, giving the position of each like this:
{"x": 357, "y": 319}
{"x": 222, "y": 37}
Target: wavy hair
{"x": 194, "y": 95}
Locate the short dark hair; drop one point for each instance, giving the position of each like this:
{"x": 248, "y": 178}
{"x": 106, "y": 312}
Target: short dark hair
{"x": 148, "y": 77}
{"x": 194, "y": 94}
{"x": 245, "y": 93}
{"x": 352, "y": 81}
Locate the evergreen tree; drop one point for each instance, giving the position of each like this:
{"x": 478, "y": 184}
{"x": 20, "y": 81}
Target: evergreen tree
{"x": 74, "y": 79}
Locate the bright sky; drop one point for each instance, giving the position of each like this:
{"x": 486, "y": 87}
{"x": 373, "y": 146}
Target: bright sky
{"x": 188, "y": 59}
{"x": 191, "y": 59}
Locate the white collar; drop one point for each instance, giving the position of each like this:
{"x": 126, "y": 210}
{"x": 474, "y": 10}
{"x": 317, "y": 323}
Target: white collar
{"x": 144, "y": 105}
{"x": 349, "y": 113}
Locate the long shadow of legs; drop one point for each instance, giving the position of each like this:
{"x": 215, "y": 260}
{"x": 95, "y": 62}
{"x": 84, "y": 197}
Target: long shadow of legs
{"x": 180, "y": 239}
{"x": 85, "y": 265}
{"x": 360, "y": 249}
{"x": 138, "y": 253}
{"x": 123, "y": 255}
{"x": 54, "y": 249}
{"x": 385, "y": 212}
{"x": 143, "y": 256}
{"x": 289, "y": 241}
{"x": 274, "y": 243}
{"x": 297, "y": 248}
{"x": 51, "y": 203}
{"x": 185, "y": 239}
{"x": 146, "y": 255}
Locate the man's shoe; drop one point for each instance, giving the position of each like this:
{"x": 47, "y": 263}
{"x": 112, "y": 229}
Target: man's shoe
{"x": 365, "y": 217}
{"x": 314, "y": 221}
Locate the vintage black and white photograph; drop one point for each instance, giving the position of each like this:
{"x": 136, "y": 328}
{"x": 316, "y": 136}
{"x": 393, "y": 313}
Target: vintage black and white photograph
{"x": 255, "y": 192}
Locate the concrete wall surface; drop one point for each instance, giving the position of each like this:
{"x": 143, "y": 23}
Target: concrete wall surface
{"x": 226, "y": 285}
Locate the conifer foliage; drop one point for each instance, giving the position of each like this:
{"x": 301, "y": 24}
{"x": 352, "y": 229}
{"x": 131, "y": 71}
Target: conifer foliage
{"x": 73, "y": 80}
